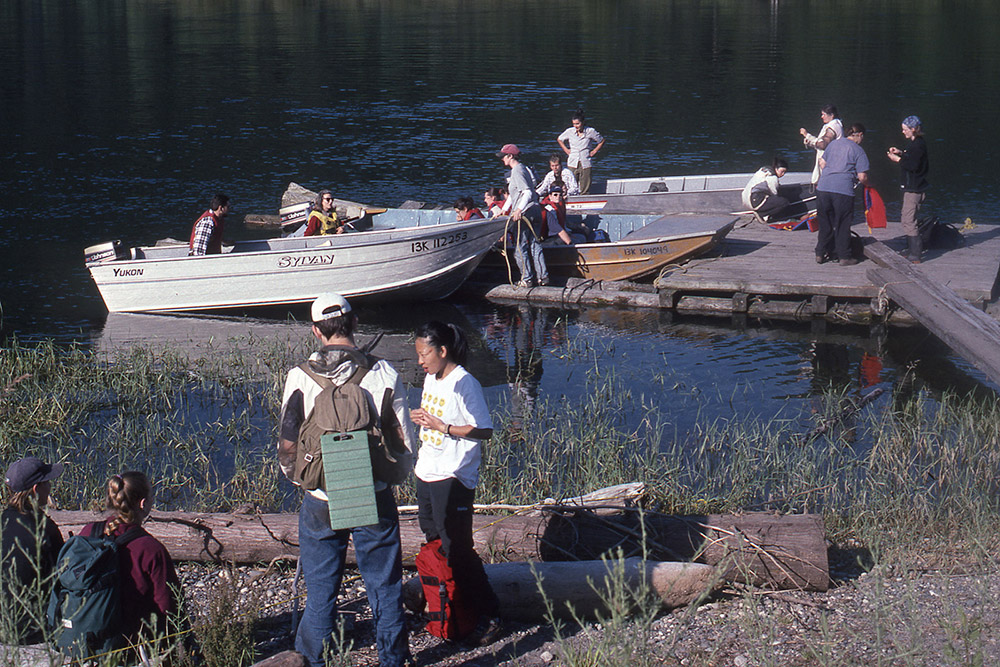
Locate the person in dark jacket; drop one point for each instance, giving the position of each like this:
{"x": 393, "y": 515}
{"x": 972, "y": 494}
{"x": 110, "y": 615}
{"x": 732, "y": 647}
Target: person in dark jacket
{"x": 31, "y": 544}
{"x": 913, "y": 165}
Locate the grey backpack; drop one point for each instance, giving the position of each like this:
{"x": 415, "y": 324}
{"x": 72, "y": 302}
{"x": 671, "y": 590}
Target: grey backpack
{"x": 345, "y": 409}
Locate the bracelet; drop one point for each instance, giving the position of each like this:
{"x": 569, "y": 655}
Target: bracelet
{"x": 448, "y": 429}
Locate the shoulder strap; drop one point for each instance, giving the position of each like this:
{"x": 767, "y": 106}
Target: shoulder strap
{"x": 362, "y": 371}
{"x": 321, "y": 380}
{"x": 129, "y": 535}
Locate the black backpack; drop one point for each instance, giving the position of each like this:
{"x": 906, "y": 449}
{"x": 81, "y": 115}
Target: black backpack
{"x": 85, "y": 604}
{"x": 937, "y": 234}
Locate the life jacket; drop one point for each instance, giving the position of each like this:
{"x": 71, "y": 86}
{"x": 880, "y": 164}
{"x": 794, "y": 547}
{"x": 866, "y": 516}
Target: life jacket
{"x": 214, "y": 246}
{"x": 472, "y": 214}
{"x": 874, "y": 209}
{"x": 552, "y": 209}
{"x": 321, "y": 223}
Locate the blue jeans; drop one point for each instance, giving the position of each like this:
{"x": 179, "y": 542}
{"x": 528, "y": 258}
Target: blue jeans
{"x": 528, "y": 253}
{"x": 322, "y": 552}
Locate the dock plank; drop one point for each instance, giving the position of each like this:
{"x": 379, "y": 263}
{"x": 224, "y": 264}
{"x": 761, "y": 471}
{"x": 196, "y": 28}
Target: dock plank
{"x": 970, "y": 332}
{"x": 759, "y": 260}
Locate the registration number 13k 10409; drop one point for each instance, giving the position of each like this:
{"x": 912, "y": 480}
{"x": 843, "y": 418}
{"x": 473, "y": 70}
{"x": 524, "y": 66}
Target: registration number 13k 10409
{"x": 439, "y": 242}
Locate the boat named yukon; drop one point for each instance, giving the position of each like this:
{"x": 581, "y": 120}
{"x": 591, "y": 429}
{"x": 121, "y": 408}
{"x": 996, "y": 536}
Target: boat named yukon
{"x": 423, "y": 260}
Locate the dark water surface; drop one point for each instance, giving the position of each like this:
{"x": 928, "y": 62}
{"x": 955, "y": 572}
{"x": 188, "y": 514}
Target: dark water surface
{"x": 121, "y": 119}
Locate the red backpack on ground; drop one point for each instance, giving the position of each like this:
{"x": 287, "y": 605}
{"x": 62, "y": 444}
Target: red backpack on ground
{"x": 452, "y": 615}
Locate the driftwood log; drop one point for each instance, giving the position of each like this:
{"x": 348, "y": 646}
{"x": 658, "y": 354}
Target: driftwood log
{"x": 581, "y": 587}
{"x": 761, "y": 549}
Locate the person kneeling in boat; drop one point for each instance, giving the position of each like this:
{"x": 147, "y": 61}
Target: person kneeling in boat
{"x": 465, "y": 209}
{"x": 206, "y": 234}
{"x": 323, "y": 217}
{"x": 554, "y": 218}
{"x": 761, "y": 193}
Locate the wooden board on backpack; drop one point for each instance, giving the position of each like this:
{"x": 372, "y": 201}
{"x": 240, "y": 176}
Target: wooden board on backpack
{"x": 349, "y": 484}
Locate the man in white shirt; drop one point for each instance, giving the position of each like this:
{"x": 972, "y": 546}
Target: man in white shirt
{"x": 323, "y": 551}
{"x": 557, "y": 172}
{"x": 576, "y": 142}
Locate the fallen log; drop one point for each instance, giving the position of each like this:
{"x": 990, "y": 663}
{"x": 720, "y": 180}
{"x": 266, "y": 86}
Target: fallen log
{"x": 582, "y": 587}
{"x": 761, "y": 549}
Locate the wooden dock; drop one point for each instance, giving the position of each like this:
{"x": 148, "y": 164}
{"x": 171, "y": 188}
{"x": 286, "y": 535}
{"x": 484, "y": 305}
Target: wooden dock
{"x": 775, "y": 272}
{"x": 769, "y": 274}
{"x": 766, "y": 273}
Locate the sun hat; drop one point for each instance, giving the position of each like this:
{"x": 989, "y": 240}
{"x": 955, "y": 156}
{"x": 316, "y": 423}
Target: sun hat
{"x": 31, "y": 470}
{"x": 509, "y": 149}
{"x": 328, "y": 306}
{"x": 912, "y": 122}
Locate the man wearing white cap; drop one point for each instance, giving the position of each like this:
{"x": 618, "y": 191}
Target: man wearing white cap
{"x": 522, "y": 204}
{"x": 323, "y": 551}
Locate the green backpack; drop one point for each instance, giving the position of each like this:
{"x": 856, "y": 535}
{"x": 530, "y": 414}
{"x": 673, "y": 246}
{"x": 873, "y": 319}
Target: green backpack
{"x": 345, "y": 409}
{"x": 85, "y": 604}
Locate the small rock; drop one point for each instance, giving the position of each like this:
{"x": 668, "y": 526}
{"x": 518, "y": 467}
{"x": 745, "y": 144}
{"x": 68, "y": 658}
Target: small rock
{"x": 740, "y": 661}
{"x": 546, "y": 656}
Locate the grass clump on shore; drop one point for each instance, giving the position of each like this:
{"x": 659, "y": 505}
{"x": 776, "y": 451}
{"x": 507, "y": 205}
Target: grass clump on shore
{"x": 907, "y": 463}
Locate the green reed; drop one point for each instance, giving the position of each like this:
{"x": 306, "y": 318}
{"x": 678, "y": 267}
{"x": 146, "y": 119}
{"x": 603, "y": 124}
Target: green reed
{"x": 204, "y": 427}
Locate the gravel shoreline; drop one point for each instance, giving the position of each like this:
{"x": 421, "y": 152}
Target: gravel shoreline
{"x": 911, "y": 615}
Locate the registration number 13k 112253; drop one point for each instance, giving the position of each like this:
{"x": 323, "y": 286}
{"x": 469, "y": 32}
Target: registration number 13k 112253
{"x": 439, "y": 242}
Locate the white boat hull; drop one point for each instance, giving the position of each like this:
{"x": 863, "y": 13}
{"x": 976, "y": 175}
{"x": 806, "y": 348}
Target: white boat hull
{"x": 418, "y": 263}
{"x": 708, "y": 193}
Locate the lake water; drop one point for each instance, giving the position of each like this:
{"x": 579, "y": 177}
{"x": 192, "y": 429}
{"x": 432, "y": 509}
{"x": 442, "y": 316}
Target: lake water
{"x": 121, "y": 119}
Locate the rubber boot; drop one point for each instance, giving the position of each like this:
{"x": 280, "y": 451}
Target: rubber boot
{"x": 915, "y": 250}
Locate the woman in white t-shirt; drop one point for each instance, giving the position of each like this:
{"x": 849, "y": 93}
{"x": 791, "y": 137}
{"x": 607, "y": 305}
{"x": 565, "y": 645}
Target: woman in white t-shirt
{"x": 454, "y": 421}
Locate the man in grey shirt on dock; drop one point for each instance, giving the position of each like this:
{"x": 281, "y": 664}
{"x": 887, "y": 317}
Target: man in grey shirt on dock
{"x": 844, "y": 164}
{"x": 526, "y": 214}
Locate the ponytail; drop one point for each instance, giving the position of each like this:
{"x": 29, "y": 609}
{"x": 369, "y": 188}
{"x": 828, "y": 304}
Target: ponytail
{"x": 125, "y": 495}
{"x": 449, "y": 336}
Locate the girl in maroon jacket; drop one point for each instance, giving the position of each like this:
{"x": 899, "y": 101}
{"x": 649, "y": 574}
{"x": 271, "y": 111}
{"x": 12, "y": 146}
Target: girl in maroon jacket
{"x": 148, "y": 582}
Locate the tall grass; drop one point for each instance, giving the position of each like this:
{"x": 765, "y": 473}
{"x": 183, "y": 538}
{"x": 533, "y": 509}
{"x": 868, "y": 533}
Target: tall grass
{"x": 906, "y": 463}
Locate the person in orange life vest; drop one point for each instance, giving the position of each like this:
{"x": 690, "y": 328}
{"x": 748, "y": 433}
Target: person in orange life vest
{"x": 465, "y": 209}
{"x": 494, "y": 199}
{"x": 554, "y": 214}
{"x": 206, "y": 234}
{"x": 323, "y": 217}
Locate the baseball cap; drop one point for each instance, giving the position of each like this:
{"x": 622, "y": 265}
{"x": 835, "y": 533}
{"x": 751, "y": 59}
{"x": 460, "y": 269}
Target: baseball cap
{"x": 509, "y": 149}
{"x": 31, "y": 470}
{"x": 556, "y": 188}
{"x": 328, "y": 306}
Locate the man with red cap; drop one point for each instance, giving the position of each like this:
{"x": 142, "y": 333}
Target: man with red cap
{"x": 522, "y": 205}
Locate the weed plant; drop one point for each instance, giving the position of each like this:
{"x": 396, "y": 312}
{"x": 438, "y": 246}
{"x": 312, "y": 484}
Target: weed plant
{"x": 907, "y": 464}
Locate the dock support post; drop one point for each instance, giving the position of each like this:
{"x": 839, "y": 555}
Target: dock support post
{"x": 668, "y": 299}
{"x": 740, "y": 301}
{"x": 820, "y": 304}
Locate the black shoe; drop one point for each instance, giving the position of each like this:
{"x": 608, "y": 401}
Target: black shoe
{"x": 487, "y": 631}
{"x": 820, "y": 259}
